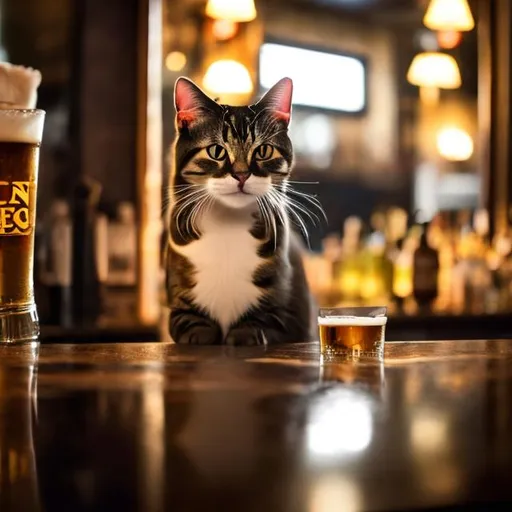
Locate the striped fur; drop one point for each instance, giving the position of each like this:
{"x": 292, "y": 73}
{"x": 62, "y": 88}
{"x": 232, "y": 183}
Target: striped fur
{"x": 234, "y": 271}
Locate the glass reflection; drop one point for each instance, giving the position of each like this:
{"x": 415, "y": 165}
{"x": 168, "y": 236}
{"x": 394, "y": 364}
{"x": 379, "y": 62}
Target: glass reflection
{"x": 18, "y": 477}
{"x": 429, "y": 431}
{"x": 334, "y": 492}
{"x": 152, "y": 440}
{"x": 369, "y": 377}
{"x": 340, "y": 424}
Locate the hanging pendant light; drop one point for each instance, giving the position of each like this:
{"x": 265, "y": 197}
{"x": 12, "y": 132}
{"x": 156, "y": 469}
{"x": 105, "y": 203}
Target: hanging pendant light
{"x": 454, "y": 144}
{"x": 434, "y": 69}
{"x": 449, "y": 15}
{"x": 227, "y": 76}
{"x": 232, "y": 10}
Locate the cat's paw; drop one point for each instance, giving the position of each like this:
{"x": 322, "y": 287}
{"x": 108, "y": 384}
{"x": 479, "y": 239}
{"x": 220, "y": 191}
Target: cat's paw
{"x": 200, "y": 335}
{"x": 245, "y": 336}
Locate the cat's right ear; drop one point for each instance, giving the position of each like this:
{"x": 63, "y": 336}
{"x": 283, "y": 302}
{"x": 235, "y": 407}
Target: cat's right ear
{"x": 189, "y": 100}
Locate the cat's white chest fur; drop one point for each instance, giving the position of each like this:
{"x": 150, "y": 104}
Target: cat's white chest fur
{"x": 225, "y": 259}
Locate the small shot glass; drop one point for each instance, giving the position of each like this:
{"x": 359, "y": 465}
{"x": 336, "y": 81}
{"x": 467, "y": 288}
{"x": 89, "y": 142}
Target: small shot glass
{"x": 352, "y": 333}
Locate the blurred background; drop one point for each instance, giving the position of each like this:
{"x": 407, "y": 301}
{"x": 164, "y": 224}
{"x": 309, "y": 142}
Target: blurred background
{"x": 401, "y": 129}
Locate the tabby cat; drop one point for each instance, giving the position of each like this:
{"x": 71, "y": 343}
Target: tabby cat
{"x": 234, "y": 268}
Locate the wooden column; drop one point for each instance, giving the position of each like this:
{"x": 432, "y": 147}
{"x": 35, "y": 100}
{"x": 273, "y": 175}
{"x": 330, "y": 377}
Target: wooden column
{"x": 495, "y": 109}
{"x": 149, "y": 157}
{"x": 108, "y": 96}
{"x": 116, "y": 129}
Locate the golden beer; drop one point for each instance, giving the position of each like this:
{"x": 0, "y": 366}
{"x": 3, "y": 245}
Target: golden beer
{"x": 352, "y": 336}
{"x": 20, "y": 137}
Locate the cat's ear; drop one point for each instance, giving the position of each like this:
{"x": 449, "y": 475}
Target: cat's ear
{"x": 189, "y": 101}
{"x": 279, "y": 99}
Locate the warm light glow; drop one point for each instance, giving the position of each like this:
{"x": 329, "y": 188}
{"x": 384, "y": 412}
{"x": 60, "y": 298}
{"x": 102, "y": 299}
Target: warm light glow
{"x": 403, "y": 275}
{"x": 232, "y": 10}
{"x": 449, "y": 39}
{"x": 175, "y": 61}
{"x": 429, "y": 431}
{"x": 224, "y": 29}
{"x": 434, "y": 69}
{"x": 454, "y": 144}
{"x": 227, "y": 77}
{"x": 341, "y": 424}
{"x": 333, "y": 492}
{"x": 449, "y": 15}
{"x": 429, "y": 95}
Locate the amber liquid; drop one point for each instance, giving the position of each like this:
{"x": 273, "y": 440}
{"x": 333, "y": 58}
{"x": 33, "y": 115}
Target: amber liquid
{"x": 351, "y": 340}
{"x": 18, "y": 186}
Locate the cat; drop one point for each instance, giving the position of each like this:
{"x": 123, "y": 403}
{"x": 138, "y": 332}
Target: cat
{"x": 234, "y": 272}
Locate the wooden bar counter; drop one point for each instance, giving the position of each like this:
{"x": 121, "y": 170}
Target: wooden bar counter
{"x": 155, "y": 427}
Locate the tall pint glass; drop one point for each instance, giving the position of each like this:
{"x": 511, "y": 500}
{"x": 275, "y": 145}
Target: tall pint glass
{"x": 20, "y": 137}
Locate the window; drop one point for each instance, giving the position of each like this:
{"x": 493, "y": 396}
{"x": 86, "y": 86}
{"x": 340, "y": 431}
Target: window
{"x": 322, "y": 80}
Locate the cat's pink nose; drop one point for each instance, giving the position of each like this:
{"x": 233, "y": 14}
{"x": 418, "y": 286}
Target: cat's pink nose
{"x": 241, "y": 177}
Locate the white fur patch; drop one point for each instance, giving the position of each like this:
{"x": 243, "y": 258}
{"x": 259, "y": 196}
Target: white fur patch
{"x": 226, "y": 190}
{"x": 225, "y": 258}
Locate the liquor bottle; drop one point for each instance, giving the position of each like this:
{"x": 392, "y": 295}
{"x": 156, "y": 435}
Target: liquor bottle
{"x": 402, "y": 272}
{"x": 425, "y": 272}
{"x": 122, "y": 247}
{"x": 348, "y": 271}
{"x": 59, "y": 261}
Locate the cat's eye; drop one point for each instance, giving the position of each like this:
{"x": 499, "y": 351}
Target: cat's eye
{"x": 264, "y": 152}
{"x": 216, "y": 151}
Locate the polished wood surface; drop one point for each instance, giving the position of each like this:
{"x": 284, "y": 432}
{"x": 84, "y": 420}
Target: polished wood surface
{"x": 399, "y": 328}
{"x": 156, "y": 427}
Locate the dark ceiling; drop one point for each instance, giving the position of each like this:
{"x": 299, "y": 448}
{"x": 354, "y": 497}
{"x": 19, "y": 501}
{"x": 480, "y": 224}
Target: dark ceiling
{"x": 386, "y": 11}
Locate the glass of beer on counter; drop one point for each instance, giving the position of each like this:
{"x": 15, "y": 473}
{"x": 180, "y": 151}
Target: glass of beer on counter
{"x": 21, "y": 132}
{"x": 352, "y": 333}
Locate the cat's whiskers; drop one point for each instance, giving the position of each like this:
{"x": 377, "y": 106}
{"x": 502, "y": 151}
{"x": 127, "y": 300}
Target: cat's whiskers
{"x": 298, "y": 182}
{"x": 276, "y": 207}
{"x": 268, "y": 219}
{"x": 171, "y": 194}
{"x": 281, "y": 213}
{"x": 280, "y": 198}
{"x": 273, "y": 221}
{"x": 272, "y": 226}
{"x": 188, "y": 199}
{"x": 311, "y": 199}
{"x": 313, "y": 217}
{"x": 202, "y": 207}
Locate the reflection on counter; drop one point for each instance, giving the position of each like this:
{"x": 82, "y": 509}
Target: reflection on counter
{"x": 19, "y": 488}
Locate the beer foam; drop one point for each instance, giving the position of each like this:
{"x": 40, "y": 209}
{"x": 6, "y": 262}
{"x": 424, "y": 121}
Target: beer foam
{"x": 21, "y": 126}
{"x": 357, "y": 321}
{"x": 18, "y": 86}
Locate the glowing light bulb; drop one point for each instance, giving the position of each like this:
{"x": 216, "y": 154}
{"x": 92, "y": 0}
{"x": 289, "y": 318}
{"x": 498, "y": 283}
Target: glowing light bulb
{"x": 454, "y": 144}
{"x": 449, "y": 15}
{"x": 227, "y": 77}
{"x": 434, "y": 69}
{"x": 232, "y": 10}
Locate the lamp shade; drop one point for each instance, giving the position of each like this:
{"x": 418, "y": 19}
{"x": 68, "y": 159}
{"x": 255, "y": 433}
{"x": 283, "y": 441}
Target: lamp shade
{"x": 227, "y": 77}
{"x": 434, "y": 69}
{"x": 449, "y": 15}
{"x": 232, "y": 10}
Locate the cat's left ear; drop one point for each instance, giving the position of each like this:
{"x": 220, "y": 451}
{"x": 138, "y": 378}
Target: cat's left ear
{"x": 279, "y": 99}
{"x": 189, "y": 101}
